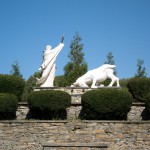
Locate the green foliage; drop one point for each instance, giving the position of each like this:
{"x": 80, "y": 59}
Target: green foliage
{"x": 141, "y": 71}
{"x": 29, "y": 85}
{"x": 8, "y": 105}
{"x": 76, "y": 55}
{"x": 110, "y": 60}
{"x": 12, "y": 84}
{"x": 60, "y": 81}
{"x": 106, "y": 104}
{"x": 107, "y": 82}
{"x": 74, "y": 71}
{"x": 124, "y": 82}
{"x": 147, "y": 102}
{"x": 15, "y": 71}
{"x": 49, "y": 104}
{"x": 76, "y": 67}
{"x": 139, "y": 88}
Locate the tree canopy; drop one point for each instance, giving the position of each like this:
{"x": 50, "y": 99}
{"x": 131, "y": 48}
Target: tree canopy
{"x": 77, "y": 66}
{"x": 141, "y": 70}
{"x": 110, "y": 60}
{"x": 15, "y": 71}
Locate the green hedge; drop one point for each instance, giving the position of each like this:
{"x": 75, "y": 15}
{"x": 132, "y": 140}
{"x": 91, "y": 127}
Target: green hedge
{"x": 8, "y": 105}
{"x": 12, "y": 84}
{"x": 124, "y": 82}
{"x": 49, "y": 104}
{"x": 106, "y": 104}
{"x": 139, "y": 88}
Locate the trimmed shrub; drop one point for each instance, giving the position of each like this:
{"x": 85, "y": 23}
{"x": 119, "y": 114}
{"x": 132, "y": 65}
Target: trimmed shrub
{"x": 106, "y": 104}
{"x": 107, "y": 82}
{"x": 139, "y": 88}
{"x": 123, "y": 82}
{"x": 49, "y": 104}
{"x": 8, "y": 106}
{"x": 12, "y": 84}
{"x": 147, "y": 102}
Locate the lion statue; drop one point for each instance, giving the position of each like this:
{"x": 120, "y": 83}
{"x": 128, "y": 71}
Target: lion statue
{"x": 97, "y": 76}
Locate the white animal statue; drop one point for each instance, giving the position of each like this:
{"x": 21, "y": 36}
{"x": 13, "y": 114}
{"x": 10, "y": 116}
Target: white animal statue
{"x": 97, "y": 76}
{"x": 48, "y": 66}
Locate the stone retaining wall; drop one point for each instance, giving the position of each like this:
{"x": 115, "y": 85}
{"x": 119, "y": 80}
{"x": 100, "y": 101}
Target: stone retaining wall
{"x": 74, "y": 135}
{"x": 137, "y": 112}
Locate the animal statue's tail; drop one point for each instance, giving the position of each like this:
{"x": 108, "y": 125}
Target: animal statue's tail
{"x": 107, "y": 66}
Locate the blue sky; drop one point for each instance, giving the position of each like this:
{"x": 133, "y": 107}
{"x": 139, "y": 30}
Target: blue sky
{"x": 118, "y": 26}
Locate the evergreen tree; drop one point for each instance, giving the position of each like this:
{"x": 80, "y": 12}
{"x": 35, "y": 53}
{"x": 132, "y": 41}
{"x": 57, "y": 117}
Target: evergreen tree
{"x": 77, "y": 66}
{"x": 15, "y": 71}
{"x": 110, "y": 60}
{"x": 141, "y": 71}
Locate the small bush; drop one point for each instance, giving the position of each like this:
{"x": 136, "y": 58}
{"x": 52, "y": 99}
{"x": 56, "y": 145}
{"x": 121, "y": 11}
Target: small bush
{"x": 12, "y": 84}
{"x": 106, "y": 104}
{"x": 49, "y": 104}
{"x": 8, "y": 105}
{"x": 139, "y": 88}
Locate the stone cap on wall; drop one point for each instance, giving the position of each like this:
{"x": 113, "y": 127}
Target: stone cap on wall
{"x": 74, "y": 121}
{"x": 69, "y": 87}
{"x": 90, "y": 145}
{"x": 79, "y": 103}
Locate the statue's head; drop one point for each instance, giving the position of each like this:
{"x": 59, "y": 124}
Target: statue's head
{"x": 48, "y": 47}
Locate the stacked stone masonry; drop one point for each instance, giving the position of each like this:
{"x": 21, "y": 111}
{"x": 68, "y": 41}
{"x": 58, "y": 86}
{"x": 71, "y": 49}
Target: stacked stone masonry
{"x": 74, "y": 134}
{"x": 60, "y": 135}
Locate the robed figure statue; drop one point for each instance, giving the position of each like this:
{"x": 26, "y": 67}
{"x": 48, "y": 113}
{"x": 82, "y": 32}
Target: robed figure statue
{"x": 48, "y": 66}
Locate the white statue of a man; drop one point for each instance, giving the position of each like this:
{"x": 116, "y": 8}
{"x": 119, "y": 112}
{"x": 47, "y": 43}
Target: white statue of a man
{"x": 48, "y": 66}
